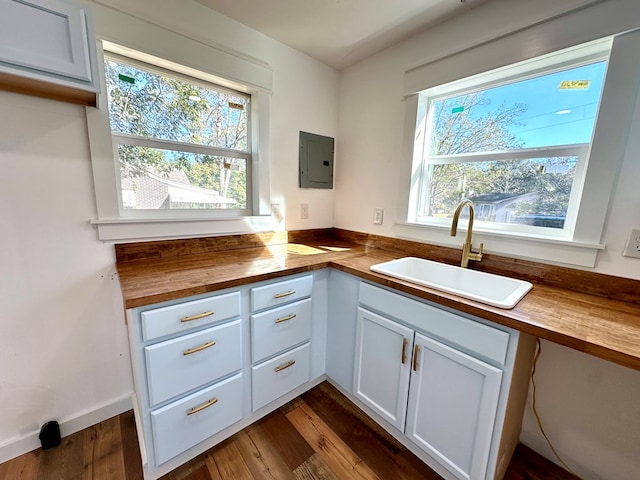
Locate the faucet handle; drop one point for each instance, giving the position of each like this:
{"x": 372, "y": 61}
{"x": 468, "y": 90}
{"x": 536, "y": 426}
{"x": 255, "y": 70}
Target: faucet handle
{"x": 477, "y": 256}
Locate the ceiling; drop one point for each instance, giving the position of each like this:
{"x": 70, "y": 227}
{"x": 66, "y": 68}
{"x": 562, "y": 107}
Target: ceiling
{"x": 339, "y": 32}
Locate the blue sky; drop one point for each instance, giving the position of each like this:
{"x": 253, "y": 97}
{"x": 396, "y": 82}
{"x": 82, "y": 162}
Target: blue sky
{"x": 544, "y": 98}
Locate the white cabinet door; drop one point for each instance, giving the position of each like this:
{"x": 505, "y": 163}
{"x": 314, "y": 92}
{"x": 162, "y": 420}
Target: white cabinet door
{"x": 382, "y": 366}
{"x": 452, "y": 407}
{"x": 46, "y": 36}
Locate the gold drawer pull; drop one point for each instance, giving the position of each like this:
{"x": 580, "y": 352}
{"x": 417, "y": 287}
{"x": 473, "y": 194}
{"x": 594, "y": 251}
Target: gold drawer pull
{"x": 416, "y": 350}
{"x": 404, "y": 350}
{"x": 213, "y": 401}
{"x": 199, "y": 349}
{"x": 284, "y": 366}
{"x": 284, "y": 319}
{"x": 284, "y": 294}
{"x": 196, "y": 317}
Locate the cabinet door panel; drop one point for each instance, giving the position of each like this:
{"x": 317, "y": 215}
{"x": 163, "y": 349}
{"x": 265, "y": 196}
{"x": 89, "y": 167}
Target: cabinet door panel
{"x": 381, "y": 379}
{"x": 452, "y": 407}
{"x": 45, "y": 35}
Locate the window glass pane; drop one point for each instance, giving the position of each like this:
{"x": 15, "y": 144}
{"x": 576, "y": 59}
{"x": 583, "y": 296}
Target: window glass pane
{"x": 147, "y": 104}
{"x": 154, "y": 179}
{"x": 554, "y": 109}
{"x": 532, "y": 191}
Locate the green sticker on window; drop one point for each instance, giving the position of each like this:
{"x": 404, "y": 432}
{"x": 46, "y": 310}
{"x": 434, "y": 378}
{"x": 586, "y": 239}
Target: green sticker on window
{"x": 457, "y": 110}
{"x": 127, "y": 79}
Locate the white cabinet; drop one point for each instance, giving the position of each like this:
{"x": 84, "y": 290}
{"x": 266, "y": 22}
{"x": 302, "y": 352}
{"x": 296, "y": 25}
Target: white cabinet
{"x": 188, "y": 371}
{"x": 203, "y": 365}
{"x": 341, "y": 328}
{"x": 280, "y": 328}
{"x": 452, "y": 388}
{"x": 47, "y": 42}
{"x": 284, "y": 327}
{"x": 186, "y": 316}
{"x": 181, "y": 364}
{"x": 192, "y": 419}
{"x": 453, "y": 401}
{"x": 442, "y": 380}
{"x": 280, "y": 375}
{"x": 382, "y": 366}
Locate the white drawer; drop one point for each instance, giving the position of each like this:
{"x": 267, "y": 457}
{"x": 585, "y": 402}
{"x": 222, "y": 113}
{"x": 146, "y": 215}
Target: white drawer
{"x": 281, "y": 292}
{"x": 178, "y": 427}
{"x": 472, "y": 336}
{"x": 280, "y": 328}
{"x": 280, "y": 375}
{"x": 187, "y": 315}
{"x": 184, "y": 363}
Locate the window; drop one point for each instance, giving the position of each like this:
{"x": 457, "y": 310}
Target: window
{"x": 514, "y": 141}
{"x": 182, "y": 144}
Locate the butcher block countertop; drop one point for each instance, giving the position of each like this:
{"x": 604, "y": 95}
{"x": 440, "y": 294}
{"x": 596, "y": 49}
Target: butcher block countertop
{"x": 600, "y": 315}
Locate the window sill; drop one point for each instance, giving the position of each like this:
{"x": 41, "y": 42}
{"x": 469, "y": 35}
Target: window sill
{"x": 516, "y": 245}
{"x": 137, "y": 229}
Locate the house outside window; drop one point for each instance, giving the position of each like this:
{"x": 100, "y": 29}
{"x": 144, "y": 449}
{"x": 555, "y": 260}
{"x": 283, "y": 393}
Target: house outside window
{"x": 515, "y": 142}
{"x": 182, "y": 144}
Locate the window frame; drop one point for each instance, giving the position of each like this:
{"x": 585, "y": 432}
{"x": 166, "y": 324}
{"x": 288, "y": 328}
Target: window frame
{"x": 608, "y": 146}
{"x": 152, "y": 142}
{"x": 112, "y": 225}
{"x": 590, "y": 53}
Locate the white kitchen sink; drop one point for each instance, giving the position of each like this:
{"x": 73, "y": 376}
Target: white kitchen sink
{"x": 495, "y": 290}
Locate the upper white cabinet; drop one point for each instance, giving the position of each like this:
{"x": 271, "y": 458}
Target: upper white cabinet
{"x": 47, "y": 48}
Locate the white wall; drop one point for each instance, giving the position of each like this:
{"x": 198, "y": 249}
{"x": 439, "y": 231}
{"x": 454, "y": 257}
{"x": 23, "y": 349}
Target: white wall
{"x": 63, "y": 342}
{"x": 589, "y": 405}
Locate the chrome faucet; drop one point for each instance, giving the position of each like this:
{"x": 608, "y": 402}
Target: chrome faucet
{"x": 467, "y": 249}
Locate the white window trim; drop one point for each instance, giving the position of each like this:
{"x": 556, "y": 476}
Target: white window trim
{"x": 605, "y": 156}
{"x": 114, "y": 225}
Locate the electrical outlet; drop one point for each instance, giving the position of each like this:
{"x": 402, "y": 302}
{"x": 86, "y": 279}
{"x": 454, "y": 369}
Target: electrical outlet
{"x": 632, "y": 249}
{"x": 377, "y": 216}
{"x": 304, "y": 211}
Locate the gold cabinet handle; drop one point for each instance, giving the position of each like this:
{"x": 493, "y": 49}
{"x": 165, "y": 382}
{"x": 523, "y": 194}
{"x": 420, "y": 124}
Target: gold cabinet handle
{"x": 199, "y": 349}
{"x": 284, "y": 366}
{"x": 284, "y": 319}
{"x": 284, "y": 294}
{"x": 213, "y": 401}
{"x": 404, "y": 350}
{"x": 196, "y": 317}
{"x": 416, "y": 350}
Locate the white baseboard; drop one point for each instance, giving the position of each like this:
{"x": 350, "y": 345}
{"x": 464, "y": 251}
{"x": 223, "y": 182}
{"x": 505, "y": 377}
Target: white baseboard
{"x": 25, "y": 443}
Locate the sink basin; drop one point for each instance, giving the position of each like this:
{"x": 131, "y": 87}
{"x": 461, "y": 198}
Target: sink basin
{"x": 495, "y": 290}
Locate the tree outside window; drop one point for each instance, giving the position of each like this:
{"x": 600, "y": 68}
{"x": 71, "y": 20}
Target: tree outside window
{"x": 182, "y": 143}
{"x": 512, "y": 148}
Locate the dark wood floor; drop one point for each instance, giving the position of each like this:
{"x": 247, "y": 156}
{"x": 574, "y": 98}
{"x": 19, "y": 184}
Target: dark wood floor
{"x": 318, "y": 436}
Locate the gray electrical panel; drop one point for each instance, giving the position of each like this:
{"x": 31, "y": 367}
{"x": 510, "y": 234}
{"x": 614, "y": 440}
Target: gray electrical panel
{"x": 316, "y": 161}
